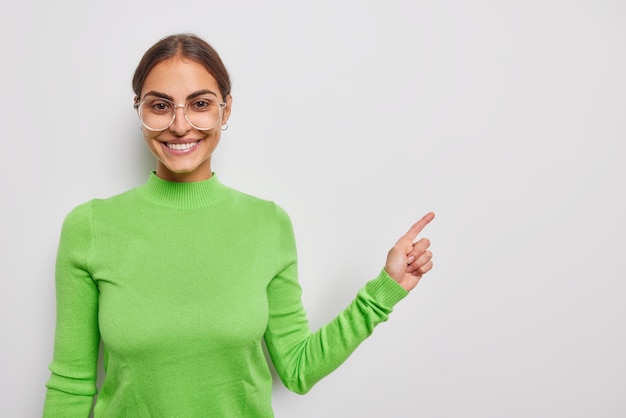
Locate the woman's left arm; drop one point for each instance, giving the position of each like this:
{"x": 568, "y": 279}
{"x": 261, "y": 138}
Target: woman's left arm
{"x": 301, "y": 357}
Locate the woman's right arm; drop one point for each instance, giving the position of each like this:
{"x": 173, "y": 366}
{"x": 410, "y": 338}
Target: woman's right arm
{"x": 72, "y": 383}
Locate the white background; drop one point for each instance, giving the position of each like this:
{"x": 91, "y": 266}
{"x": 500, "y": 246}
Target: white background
{"x": 505, "y": 118}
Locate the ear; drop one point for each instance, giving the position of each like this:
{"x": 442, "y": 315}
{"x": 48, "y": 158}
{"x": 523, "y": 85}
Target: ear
{"x": 227, "y": 109}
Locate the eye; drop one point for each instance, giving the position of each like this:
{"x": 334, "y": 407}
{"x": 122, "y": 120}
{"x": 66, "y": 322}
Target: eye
{"x": 201, "y": 104}
{"x": 159, "y": 106}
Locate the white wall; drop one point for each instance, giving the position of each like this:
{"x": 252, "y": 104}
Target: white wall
{"x": 505, "y": 118}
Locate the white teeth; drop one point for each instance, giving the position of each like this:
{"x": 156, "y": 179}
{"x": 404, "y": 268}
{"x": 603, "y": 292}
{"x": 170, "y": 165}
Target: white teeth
{"x": 181, "y": 147}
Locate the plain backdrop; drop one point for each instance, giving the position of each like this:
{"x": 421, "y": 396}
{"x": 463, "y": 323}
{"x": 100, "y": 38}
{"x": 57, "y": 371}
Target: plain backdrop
{"x": 505, "y": 118}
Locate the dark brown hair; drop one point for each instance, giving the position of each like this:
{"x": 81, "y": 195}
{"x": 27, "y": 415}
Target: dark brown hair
{"x": 183, "y": 45}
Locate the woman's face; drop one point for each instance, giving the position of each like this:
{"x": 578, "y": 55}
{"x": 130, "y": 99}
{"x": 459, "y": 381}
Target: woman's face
{"x": 183, "y": 152}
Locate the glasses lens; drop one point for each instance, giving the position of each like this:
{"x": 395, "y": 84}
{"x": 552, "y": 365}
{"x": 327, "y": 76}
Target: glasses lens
{"x": 203, "y": 112}
{"x": 156, "y": 113}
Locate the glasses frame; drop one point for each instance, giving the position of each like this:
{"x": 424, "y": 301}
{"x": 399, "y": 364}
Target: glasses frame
{"x": 175, "y": 106}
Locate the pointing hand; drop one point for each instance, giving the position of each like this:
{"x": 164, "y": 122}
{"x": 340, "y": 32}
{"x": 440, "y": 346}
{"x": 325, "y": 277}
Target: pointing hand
{"x": 408, "y": 260}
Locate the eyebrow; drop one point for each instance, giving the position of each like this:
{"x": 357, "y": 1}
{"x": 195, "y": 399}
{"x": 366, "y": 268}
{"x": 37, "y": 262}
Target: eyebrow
{"x": 189, "y": 97}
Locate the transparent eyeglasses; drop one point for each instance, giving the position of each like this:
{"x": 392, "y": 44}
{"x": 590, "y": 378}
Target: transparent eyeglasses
{"x": 158, "y": 114}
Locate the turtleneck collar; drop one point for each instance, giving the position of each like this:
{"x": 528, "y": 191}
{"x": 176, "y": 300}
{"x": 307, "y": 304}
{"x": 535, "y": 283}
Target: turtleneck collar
{"x": 183, "y": 195}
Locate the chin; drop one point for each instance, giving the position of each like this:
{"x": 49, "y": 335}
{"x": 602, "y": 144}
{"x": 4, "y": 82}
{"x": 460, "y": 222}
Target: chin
{"x": 186, "y": 173}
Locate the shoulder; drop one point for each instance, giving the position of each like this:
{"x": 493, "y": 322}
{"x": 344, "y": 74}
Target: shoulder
{"x": 85, "y": 211}
{"x": 78, "y": 222}
{"x": 259, "y": 205}
{"x": 265, "y": 214}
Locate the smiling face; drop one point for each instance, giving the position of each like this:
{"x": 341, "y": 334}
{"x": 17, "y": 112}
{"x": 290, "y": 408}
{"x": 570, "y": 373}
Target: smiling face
{"x": 183, "y": 152}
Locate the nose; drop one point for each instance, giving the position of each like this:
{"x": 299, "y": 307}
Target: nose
{"x": 180, "y": 125}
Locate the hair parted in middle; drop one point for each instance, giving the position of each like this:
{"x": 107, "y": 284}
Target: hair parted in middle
{"x": 184, "y": 45}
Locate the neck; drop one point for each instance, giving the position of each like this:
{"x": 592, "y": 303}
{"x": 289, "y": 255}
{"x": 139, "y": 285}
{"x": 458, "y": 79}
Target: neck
{"x": 183, "y": 195}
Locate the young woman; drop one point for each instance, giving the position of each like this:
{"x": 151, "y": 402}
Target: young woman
{"x": 183, "y": 277}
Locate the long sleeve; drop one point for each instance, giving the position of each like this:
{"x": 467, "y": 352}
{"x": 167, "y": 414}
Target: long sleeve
{"x": 72, "y": 384}
{"x": 301, "y": 357}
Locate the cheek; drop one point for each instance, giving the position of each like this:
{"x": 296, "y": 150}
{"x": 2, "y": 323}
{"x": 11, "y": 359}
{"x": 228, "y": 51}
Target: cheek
{"x": 148, "y": 137}
{"x": 214, "y": 138}
{"x": 151, "y": 142}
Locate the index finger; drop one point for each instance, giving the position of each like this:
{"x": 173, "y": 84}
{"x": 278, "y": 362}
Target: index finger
{"x": 418, "y": 226}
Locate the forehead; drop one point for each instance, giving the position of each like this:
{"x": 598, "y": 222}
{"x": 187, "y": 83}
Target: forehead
{"x": 178, "y": 76}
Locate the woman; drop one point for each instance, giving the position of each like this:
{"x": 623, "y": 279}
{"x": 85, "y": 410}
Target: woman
{"x": 183, "y": 277}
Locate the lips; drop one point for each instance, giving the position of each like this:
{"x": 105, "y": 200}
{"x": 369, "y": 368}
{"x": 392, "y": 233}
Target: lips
{"x": 181, "y": 146}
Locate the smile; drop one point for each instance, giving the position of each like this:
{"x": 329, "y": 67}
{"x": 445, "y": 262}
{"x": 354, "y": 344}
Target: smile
{"x": 181, "y": 147}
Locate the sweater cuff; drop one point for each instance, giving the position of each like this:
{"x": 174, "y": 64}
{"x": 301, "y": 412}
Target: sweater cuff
{"x": 385, "y": 290}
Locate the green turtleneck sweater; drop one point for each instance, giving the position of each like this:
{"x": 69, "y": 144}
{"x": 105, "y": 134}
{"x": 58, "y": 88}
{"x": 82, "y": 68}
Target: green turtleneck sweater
{"x": 182, "y": 282}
